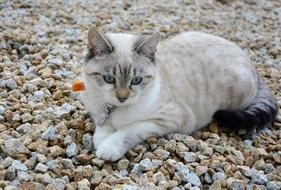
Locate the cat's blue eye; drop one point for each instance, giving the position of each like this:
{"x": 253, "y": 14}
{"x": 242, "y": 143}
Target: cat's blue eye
{"x": 109, "y": 78}
{"x": 136, "y": 80}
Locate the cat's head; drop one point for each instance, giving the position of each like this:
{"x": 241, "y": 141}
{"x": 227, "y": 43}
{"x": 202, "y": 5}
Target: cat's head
{"x": 120, "y": 66}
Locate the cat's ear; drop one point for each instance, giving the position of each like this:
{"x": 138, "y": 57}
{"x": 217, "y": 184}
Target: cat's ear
{"x": 147, "y": 46}
{"x": 98, "y": 44}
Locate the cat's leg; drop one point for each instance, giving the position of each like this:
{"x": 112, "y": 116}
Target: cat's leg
{"x": 117, "y": 144}
{"x": 101, "y": 133}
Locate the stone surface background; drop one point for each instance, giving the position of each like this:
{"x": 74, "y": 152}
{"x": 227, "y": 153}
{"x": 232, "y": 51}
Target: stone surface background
{"x": 45, "y": 132}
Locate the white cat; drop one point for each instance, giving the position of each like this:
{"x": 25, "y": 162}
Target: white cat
{"x": 134, "y": 92}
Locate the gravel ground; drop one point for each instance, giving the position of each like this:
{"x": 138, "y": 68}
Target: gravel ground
{"x": 45, "y": 132}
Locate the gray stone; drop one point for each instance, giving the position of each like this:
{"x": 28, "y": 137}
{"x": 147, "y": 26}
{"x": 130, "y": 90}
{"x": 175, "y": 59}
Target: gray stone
{"x": 46, "y": 179}
{"x": 201, "y": 170}
{"x": 7, "y": 162}
{"x": 66, "y": 179}
{"x": 68, "y": 163}
{"x": 182, "y": 169}
{"x": 248, "y": 142}
{"x": 67, "y": 107}
{"x": 162, "y": 154}
{"x": 42, "y": 168}
{"x": 26, "y": 117}
{"x": 137, "y": 169}
{"x": 259, "y": 178}
{"x": 87, "y": 141}
{"x": 42, "y": 158}
{"x": 122, "y": 164}
{"x": 83, "y": 184}
{"x": 218, "y": 176}
{"x": 97, "y": 162}
{"x": 71, "y": 150}
{"x": 146, "y": 164}
{"x": 245, "y": 170}
{"x": 272, "y": 185}
{"x": 236, "y": 185}
{"x": 55, "y": 61}
{"x": 208, "y": 178}
{"x": 23, "y": 176}
{"x": 193, "y": 179}
{"x": 11, "y": 84}
{"x": 156, "y": 162}
{"x": 58, "y": 183}
{"x": 11, "y": 173}
{"x": 49, "y": 134}
{"x": 159, "y": 177}
{"x": 10, "y": 187}
{"x": 124, "y": 173}
{"x": 129, "y": 187}
{"x": 190, "y": 157}
{"x": 96, "y": 177}
{"x": 24, "y": 128}
{"x": 18, "y": 165}
{"x": 269, "y": 168}
{"x": 39, "y": 95}
{"x": 2, "y": 110}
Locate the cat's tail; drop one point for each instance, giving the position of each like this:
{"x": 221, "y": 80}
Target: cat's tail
{"x": 261, "y": 112}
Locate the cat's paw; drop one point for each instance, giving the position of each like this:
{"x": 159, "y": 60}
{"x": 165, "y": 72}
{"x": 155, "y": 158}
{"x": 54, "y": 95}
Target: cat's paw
{"x": 98, "y": 138}
{"x": 101, "y": 134}
{"x": 110, "y": 151}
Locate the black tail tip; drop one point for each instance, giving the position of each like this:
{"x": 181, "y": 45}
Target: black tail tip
{"x": 231, "y": 119}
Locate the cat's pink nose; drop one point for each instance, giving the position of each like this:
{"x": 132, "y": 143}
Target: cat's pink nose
{"x": 122, "y": 99}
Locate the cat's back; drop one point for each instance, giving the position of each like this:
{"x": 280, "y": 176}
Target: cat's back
{"x": 206, "y": 72}
{"x": 196, "y": 44}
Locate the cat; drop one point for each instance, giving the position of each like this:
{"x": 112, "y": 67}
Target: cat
{"x": 141, "y": 87}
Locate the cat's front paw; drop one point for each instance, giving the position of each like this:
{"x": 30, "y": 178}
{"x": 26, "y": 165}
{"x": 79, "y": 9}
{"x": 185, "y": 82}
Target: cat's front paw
{"x": 110, "y": 151}
{"x": 101, "y": 134}
{"x": 97, "y": 139}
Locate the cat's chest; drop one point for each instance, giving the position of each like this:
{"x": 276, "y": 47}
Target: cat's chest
{"x": 122, "y": 117}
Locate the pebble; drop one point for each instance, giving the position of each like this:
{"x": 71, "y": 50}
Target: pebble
{"x": 87, "y": 141}
{"x": 245, "y": 170}
{"x": 24, "y": 128}
{"x": 49, "y": 134}
{"x": 23, "y": 176}
{"x": 18, "y": 165}
{"x": 146, "y": 164}
{"x": 55, "y": 61}
{"x": 41, "y": 168}
{"x": 2, "y": 110}
{"x": 272, "y": 185}
{"x": 236, "y": 185}
{"x": 123, "y": 164}
{"x": 137, "y": 168}
{"x": 163, "y": 154}
{"x": 215, "y": 186}
{"x": 268, "y": 168}
{"x": 193, "y": 179}
{"x": 71, "y": 150}
{"x": 26, "y": 117}
{"x": 83, "y": 185}
{"x": 11, "y": 173}
{"x": 7, "y": 162}
{"x": 129, "y": 187}
{"x": 218, "y": 176}
{"x": 11, "y": 84}
{"x": 259, "y": 178}
{"x": 201, "y": 170}
{"x": 182, "y": 169}
{"x": 97, "y": 162}
{"x": 190, "y": 157}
